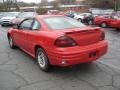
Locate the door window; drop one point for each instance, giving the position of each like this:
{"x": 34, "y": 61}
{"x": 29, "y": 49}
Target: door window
{"x": 36, "y": 25}
{"x": 26, "y": 24}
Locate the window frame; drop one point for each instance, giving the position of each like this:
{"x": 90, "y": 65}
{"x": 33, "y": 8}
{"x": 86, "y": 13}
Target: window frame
{"x": 26, "y": 20}
{"x": 34, "y": 19}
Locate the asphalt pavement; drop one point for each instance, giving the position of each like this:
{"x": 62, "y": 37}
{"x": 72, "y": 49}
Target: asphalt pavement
{"x": 19, "y": 71}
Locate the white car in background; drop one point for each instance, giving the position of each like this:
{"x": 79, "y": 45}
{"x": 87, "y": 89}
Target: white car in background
{"x": 8, "y": 18}
{"x": 81, "y": 16}
{"x": 21, "y": 16}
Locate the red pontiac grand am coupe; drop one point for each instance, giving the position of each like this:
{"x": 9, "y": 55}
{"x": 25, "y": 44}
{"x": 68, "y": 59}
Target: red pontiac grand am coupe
{"x": 58, "y": 40}
{"x": 103, "y": 21}
{"x": 115, "y": 23}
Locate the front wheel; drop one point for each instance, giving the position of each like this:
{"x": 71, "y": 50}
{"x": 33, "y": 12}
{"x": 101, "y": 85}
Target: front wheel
{"x": 42, "y": 59}
{"x": 104, "y": 25}
{"x": 11, "y": 43}
{"x": 2, "y": 25}
{"x": 80, "y": 20}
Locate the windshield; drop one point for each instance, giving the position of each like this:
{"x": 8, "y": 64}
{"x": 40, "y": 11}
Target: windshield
{"x": 57, "y": 23}
{"x": 26, "y": 14}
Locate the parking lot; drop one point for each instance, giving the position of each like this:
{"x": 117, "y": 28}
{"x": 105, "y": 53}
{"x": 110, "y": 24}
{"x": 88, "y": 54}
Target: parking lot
{"x": 18, "y": 71}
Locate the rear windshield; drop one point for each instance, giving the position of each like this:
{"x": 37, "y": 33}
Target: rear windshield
{"x": 57, "y": 23}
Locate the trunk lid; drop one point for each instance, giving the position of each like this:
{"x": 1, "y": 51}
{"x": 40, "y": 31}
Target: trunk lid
{"x": 85, "y": 36}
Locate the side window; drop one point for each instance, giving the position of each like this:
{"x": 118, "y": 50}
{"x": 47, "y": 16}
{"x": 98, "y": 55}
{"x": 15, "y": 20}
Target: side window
{"x": 26, "y": 24}
{"x": 106, "y": 16}
{"x": 36, "y": 25}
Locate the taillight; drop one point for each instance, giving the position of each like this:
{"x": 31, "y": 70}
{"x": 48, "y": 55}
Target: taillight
{"x": 65, "y": 41}
{"x": 102, "y": 37}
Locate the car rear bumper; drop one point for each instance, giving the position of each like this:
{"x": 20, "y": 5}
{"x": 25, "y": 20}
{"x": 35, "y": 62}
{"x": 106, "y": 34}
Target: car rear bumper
{"x": 76, "y": 55}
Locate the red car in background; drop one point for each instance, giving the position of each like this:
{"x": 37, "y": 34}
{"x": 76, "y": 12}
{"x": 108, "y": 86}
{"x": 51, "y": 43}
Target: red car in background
{"x": 104, "y": 21}
{"x": 58, "y": 40}
{"x": 115, "y": 23}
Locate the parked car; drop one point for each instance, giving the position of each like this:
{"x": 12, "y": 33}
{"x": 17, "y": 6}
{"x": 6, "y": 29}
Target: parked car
{"x": 21, "y": 16}
{"x": 81, "y": 16}
{"x": 55, "y": 12}
{"x": 53, "y": 42}
{"x": 115, "y": 23}
{"x": 7, "y": 18}
{"x": 104, "y": 20}
{"x": 52, "y": 12}
{"x": 1, "y": 15}
{"x": 71, "y": 14}
{"x": 86, "y": 18}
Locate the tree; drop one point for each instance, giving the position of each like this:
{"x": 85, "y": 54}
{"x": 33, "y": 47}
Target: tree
{"x": 2, "y": 8}
{"x": 101, "y": 3}
{"x": 66, "y": 1}
{"x": 41, "y": 10}
{"x": 55, "y": 4}
{"x": 16, "y": 5}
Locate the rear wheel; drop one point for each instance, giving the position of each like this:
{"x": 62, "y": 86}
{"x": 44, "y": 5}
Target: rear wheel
{"x": 42, "y": 59}
{"x": 11, "y": 43}
{"x": 104, "y": 25}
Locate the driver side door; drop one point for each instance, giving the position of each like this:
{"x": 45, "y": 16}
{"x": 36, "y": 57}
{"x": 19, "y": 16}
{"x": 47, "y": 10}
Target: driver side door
{"x": 21, "y": 34}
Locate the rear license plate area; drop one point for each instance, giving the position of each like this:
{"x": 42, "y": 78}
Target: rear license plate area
{"x": 93, "y": 54}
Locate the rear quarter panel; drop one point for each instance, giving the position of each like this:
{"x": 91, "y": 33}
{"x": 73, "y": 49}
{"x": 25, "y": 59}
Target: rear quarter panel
{"x": 115, "y": 24}
{"x": 44, "y": 39}
{"x": 99, "y": 20}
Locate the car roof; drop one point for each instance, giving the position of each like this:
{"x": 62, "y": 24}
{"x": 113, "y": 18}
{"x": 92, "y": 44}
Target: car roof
{"x": 47, "y": 16}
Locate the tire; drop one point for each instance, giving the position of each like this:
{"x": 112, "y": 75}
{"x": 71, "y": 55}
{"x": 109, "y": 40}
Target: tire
{"x": 42, "y": 60}
{"x": 11, "y": 43}
{"x": 80, "y": 20}
{"x": 104, "y": 25}
{"x": 118, "y": 29}
{"x": 2, "y": 25}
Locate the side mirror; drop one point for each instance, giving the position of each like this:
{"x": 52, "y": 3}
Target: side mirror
{"x": 15, "y": 26}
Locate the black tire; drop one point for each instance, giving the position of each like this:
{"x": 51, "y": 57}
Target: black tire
{"x": 2, "y": 25}
{"x": 118, "y": 29}
{"x": 104, "y": 25}
{"x": 11, "y": 43}
{"x": 80, "y": 20}
{"x": 42, "y": 60}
